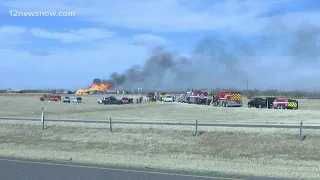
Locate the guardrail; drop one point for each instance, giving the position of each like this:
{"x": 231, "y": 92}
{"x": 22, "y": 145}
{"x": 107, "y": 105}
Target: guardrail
{"x": 196, "y": 124}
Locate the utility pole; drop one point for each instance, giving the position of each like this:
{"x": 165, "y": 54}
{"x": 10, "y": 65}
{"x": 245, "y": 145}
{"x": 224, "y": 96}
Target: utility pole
{"x": 247, "y": 87}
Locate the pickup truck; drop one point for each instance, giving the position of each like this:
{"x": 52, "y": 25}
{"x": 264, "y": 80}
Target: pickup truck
{"x": 261, "y": 102}
{"x": 66, "y": 99}
{"x": 112, "y": 100}
{"x": 77, "y": 100}
{"x": 102, "y": 100}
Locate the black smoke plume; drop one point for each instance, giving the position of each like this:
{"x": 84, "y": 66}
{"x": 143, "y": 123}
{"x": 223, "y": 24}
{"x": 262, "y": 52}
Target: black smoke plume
{"x": 230, "y": 63}
{"x": 97, "y": 81}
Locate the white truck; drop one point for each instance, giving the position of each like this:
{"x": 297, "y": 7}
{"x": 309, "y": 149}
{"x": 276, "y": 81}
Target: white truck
{"x": 77, "y": 100}
{"x": 168, "y": 99}
{"x": 101, "y": 101}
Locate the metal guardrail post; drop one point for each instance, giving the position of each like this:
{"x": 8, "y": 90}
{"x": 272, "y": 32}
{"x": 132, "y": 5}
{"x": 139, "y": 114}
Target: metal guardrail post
{"x": 196, "y": 129}
{"x": 42, "y": 118}
{"x": 301, "y": 135}
{"x": 110, "y": 122}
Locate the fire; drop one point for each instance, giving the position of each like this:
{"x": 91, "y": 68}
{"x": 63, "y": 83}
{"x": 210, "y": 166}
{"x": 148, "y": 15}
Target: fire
{"x": 95, "y": 87}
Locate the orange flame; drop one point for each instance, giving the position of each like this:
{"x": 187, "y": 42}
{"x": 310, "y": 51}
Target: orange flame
{"x": 95, "y": 87}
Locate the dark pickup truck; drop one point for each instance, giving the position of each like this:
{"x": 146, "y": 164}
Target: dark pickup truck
{"x": 112, "y": 100}
{"x": 261, "y": 102}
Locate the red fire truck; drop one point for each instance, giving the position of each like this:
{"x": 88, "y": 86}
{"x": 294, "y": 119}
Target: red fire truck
{"x": 50, "y": 97}
{"x": 285, "y": 103}
{"x": 198, "y": 97}
{"x": 228, "y": 99}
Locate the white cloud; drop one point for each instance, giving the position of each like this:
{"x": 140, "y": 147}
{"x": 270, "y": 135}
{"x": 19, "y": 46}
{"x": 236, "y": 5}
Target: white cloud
{"x": 174, "y": 15}
{"x": 11, "y": 30}
{"x": 88, "y": 34}
{"x": 12, "y": 35}
{"x": 25, "y": 70}
{"x": 103, "y": 56}
{"x": 149, "y": 40}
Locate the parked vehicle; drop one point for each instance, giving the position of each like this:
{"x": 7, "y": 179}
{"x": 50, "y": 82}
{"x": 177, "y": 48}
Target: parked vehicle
{"x": 66, "y": 99}
{"x": 112, "y": 100}
{"x": 285, "y": 103}
{"x": 77, "y": 100}
{"x": 196, "y": 97}
{"x": 257, "y": 102}
{"x": 50, "y": 97}
{"x": 125, "y": 100}
{"x": 101, "y": 101}
{"x": 228, "y": 99}
{"x": 269, "y": 101}
{"x": 168, "y": 98}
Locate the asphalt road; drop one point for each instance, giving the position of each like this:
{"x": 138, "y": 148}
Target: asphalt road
{"x": 24, "y": 169}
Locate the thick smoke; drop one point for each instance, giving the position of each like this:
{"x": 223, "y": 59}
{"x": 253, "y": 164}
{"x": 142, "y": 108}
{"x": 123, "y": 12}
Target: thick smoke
{"x": 230, "y": 63}
{"x": 97, "y": 81}
{"x": 306, "y": 43}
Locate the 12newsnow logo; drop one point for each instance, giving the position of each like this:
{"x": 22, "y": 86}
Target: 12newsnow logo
{"x": 38, "y": 13}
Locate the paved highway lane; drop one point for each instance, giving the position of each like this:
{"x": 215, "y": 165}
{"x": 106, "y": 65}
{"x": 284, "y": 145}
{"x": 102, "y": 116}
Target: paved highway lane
{"x": 18, "y": 169}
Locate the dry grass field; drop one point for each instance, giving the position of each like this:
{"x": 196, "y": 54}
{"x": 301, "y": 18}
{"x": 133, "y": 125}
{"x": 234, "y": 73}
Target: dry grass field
{"x": 250, "y": 151}
{"x": 30, "y": 106}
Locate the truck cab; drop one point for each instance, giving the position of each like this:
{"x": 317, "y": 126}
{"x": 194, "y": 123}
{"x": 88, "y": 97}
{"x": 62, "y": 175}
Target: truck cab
{"x": 112, "y": 100}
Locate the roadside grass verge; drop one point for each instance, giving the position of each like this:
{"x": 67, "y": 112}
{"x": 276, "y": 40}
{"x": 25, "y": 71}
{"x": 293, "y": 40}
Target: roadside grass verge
{"x": 247, "y": 151}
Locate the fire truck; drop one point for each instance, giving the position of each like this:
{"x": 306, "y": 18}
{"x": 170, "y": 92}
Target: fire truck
{"x": 228, "y": 99}
{"x": 197, "y": 97}
{"x": 285, "y": 103}
{"x": 50, "y": 97}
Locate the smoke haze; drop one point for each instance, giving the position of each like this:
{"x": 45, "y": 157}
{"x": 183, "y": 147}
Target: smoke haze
{"x": 218, "y": 63}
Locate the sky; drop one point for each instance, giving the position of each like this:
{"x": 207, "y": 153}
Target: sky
{"x": 107, "y": 36}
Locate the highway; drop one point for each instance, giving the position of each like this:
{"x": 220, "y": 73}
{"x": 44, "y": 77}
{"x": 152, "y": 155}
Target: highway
{"x": 26, "y": 169}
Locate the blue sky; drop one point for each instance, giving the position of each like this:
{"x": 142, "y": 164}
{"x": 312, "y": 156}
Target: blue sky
{"x": 106, "y": 36}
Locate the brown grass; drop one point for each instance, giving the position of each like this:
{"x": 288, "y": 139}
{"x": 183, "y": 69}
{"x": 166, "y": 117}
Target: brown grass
{"x": 259, "y": 152}
{"x": 250, "y": 151}
{"x": 30, "y": 106}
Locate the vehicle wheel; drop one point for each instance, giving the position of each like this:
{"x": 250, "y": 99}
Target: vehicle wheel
{"x": 226, "y": 104}
{"x": 260, "y": 106}
{"x": 249, "y": 105}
